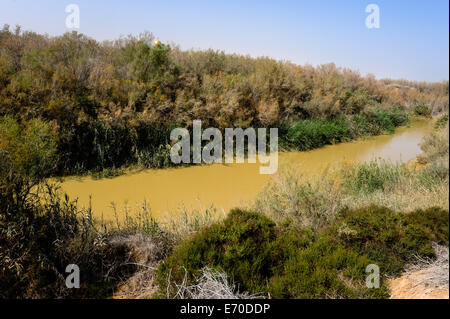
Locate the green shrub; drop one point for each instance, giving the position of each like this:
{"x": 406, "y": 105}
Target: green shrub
{"x": 158, "y": 158}
{"x": 293, "y": 262}
{"x": 377, "y": 120}
{"x": 398, "y": 116}
{"x": 105, "y": 144}
{"x": 39, "y": 240}
{"x": 433, "y": 221}
{"x": 361, "y": 126}
{"x": 313, "y": 133}
{"x": 309, "y": 134}
{"x": 422, "y": 110}
{"x": 27, "y": 149}
{"x": 322, "y": 269}
{"x": 368, "y": 177}
{"x": 239, "y": 246}
{"x": 384, "y": 121}
{"x": 441, "y": 122}
{"x": 289, "y": 263}
{"x": 389, "y": 238}
{"x": 41, "y": 233}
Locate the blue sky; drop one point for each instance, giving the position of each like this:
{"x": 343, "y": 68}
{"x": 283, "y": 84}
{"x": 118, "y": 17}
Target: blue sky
{"x": 412, "y": 41}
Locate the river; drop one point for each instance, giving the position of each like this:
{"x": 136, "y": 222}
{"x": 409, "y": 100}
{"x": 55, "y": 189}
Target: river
{"x": 228, "y": 185}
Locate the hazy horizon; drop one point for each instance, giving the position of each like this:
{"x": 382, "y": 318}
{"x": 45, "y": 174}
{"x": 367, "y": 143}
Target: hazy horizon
{"x": 412, "y": 42}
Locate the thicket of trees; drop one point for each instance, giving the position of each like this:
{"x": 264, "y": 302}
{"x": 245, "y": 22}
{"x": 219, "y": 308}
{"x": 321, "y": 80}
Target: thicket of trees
{"x": 113, "y": 103}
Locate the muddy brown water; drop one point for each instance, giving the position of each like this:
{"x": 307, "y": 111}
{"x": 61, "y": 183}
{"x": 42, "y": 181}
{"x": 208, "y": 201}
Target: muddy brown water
{"x": 228, "y": 185}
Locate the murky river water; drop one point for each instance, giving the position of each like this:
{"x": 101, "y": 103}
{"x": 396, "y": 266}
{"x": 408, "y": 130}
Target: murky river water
{"x": 226, "y": 186}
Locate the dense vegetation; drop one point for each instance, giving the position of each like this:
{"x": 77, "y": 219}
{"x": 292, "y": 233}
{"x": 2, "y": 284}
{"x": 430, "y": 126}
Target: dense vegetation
{"x": 69, "y": 104}
{"x": 113, "y": 104}
{"x": 290, "y": 262}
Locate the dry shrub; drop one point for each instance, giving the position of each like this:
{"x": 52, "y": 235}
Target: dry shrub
{"x": 144, "y": 253}
{"x": 183, "y": 223}
{"x": 212, "y": 284}
{"x": 431, "y": 272}
{"x": 311, "y": 202}
{"x": 268, "y": 111}
{"x": 435, "y": 146}
{"x": 147, "y": 242}
{"x": 437, "y": 270}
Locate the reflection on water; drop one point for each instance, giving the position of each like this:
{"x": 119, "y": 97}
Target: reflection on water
{"x": 227, "y": 186}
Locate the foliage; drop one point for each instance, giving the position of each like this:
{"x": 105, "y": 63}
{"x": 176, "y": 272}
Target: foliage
{"x": 113, "y": 103}
{"x": 313, "y": 133}
{"x": 441, "y": 121}
{"x": 372, "y": 176}
{"x": 292, "y": 262}
{"x": 27, "y": 154}
{"x": 390, "y": 238}
{"x": 38, "y": 241}
{"x": 435, "y": 147}
{"x": 239, "y": 245}
{"x": 309, "y": 134}
{"x": 69, "y": 104}
{"x": 321, "y": 268}
{"x": 422, "y": 110}
{"x": 41, "y": 233}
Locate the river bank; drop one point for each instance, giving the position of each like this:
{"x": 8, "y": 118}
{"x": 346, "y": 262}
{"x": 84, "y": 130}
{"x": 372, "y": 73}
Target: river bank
{"x": 172, "y": 190}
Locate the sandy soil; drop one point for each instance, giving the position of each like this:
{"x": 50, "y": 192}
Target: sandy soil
{"x": 411, "y": 286}
{"x": 425, "y": 279}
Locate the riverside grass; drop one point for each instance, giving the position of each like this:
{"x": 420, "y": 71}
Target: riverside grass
{"x": 401, "y": 187}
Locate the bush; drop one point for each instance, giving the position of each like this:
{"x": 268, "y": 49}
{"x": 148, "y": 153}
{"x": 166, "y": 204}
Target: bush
{"x": 435, "y": 146}
{"x": 368, "y": 177}
{"x": 313, "y": 133}
{"x": 27, "y": 149}
{"x": 398, "y": 116}
{"x": 292, "y": 262}
{"x": 287, "y": 264}
{"x": 376, "y": 120}
{"x": 106, "y": 144}
{"x": 422, "y": 110}
{"x": 38, "y": 241}
{"x": 309, "y": 134}
{"x": 441, "y": 122}
{"x": 433, "y": 221}
{"x": 322, "y": 269}
{"x": 239, "y": 246}
{"x": 40, "y": 233}
{"x": 389, "y": 238}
